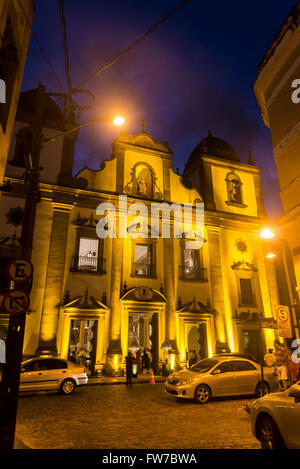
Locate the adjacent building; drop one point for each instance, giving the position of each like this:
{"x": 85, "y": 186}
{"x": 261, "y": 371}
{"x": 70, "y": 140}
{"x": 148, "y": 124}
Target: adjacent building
{"x": 97, "y": 292}
{"x": 277, "y": 89}
{"x": 15, "y": 27}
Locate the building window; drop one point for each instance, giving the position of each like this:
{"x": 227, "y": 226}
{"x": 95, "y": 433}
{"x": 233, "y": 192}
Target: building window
{"x": 9, "y": 63}
{"x": 89, "y": 257}
{"x": 191, "y": 267}
{"x": 143, "y": 262}
{"x": 247, "y": 296}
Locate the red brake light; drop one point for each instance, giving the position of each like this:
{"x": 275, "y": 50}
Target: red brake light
{"x": 84, "y": 370}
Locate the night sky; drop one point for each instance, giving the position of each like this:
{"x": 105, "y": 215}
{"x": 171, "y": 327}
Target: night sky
{"x": 193, "y": 74}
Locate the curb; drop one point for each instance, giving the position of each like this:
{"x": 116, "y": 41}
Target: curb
{"x": 93, "y": 382}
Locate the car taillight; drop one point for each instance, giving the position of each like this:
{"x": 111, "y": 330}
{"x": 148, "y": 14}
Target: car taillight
{"x": 84, "y": 370}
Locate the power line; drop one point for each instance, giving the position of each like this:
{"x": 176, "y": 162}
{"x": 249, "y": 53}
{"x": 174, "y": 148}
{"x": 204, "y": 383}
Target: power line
{"x": 132, "y": 45}
{"x": 65, "y": 44}
{"x": 34, "y": 35}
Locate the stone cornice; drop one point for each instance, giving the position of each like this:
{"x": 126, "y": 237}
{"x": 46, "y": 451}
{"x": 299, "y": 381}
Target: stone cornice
{"x": 232, "y": 164}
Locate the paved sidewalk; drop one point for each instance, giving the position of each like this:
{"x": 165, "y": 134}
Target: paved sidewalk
{"x": 122, "y": 380}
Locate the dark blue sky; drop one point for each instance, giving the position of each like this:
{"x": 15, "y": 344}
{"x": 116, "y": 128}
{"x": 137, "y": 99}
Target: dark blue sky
{"x": 193, "y": 74}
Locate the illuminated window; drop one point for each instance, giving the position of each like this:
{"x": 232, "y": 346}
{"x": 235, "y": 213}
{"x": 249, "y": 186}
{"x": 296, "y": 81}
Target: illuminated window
{"x": 89, "y": 256}
{"x": 247, "y": 296}
{"x": 192, "y": 265}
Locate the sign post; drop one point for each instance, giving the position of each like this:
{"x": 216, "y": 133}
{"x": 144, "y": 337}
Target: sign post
{"x": 15, "y": 303}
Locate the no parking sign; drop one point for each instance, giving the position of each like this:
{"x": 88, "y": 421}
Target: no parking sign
{"x": 16, "y": 302}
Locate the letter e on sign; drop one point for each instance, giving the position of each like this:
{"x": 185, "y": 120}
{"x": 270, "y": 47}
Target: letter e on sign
{"x": 19, "y": 270}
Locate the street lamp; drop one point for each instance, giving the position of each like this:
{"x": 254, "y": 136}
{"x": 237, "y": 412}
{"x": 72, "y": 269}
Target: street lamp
{"x": 115, "y": 120}
{"x": 269, "y": 234}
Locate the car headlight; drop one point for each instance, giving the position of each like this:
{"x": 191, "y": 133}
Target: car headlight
{"x": 185, "y": 381}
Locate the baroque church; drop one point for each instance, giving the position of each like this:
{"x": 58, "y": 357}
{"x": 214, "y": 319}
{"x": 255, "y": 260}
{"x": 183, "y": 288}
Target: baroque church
{"x": 98, "y": 297}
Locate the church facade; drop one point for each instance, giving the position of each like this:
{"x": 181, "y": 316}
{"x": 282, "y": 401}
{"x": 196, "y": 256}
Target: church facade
{"x": 96, "y": 297}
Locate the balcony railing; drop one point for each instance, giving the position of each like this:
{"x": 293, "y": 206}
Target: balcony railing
{"x": 194, "y": 274}
{"x": 142, "y": 269}
{"x": 90, "y": 264}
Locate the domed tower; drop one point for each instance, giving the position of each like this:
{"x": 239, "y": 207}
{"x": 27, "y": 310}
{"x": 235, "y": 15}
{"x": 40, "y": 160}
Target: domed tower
{"x": 225, "y": 183}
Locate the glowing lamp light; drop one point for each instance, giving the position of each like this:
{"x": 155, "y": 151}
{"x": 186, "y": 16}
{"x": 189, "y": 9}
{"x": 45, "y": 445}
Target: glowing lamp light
{"x": 118, "y": 120}
{"x": 270, "y": 255}
{"x": 266, "y": 233}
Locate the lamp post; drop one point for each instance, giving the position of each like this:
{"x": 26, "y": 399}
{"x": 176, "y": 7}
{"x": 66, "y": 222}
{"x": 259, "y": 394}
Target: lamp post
{"x": 117, "y": 120}
{"x": 9, "y": 386}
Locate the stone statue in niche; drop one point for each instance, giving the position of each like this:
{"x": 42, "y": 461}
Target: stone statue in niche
{"x": 234, "y": 191}
{"x": 141, "y": 186}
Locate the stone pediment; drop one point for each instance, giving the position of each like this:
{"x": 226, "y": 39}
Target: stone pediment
{"x": 144, "y": 294}
{"x": 196, "y": 308}
{"x": 85, "y": 302}
{"x": 144, "y": 140}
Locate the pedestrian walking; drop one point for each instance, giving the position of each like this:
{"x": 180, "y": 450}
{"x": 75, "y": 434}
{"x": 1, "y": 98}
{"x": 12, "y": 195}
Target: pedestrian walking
{"x": 145, "y": 362}
{"x": 293, "y": 368}
{"x": 281, "y": 364}
{"x": 269, "y": 358}
{"x": 129, "y": 363}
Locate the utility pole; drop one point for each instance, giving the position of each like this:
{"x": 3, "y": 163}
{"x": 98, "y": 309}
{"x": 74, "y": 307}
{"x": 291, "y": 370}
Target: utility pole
{"x": 9, "y": 386}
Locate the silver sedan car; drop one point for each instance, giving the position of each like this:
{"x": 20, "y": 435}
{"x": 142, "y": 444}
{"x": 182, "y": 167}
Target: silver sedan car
{"x": 219, "y": 376}
{"x": 275, "y": 419}
{"x": 39, "y": 374}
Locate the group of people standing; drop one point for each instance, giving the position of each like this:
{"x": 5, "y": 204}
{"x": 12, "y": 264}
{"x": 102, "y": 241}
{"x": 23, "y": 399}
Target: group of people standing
{"x": 142, "y": 362}
{"x": 284, "y": 366}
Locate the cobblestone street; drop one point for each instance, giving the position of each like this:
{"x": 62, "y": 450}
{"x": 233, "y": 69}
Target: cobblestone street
{"x": 144, "y": 416}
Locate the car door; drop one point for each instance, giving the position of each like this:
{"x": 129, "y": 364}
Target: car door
{"x": 290, "y": 418}
{"x": 31, "y": 377}
{"x": 51, "y": 373}
{"x": 247, "y": 376}
{"x": 224, "y": 378}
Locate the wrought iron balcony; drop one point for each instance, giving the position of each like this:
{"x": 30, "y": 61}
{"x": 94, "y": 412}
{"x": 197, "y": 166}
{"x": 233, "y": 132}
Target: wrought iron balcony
{"x": 91, "y": 264}
{"x": 193, "y": 274}
{"x": 143, "y": 269}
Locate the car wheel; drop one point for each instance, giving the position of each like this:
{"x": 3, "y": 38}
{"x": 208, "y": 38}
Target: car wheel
{"x": 268, "y": 434}
{"x": 262, "y": 390}
{"x": 67, "y": 386}
{"x": 202, "y": 394}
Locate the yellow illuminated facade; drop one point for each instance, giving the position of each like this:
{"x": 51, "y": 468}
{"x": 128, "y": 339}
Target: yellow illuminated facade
{"x": 94, "y": 298}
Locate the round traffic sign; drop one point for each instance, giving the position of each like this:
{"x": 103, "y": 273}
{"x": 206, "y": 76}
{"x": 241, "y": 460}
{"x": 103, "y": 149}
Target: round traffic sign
{"x": 16, "y": 302}
{"x": 19, "y": 270}
{"x": 282, "y": 313}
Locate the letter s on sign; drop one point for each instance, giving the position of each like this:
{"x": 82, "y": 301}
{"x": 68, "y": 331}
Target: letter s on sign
{"x": 296, "y": 93}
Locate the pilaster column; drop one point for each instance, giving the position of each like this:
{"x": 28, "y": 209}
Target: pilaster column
{"x": 169, "y": 287}
{"x": 114, "y": 351}
{"x": 55, "y": 278}
{"x": 217, "y": 286}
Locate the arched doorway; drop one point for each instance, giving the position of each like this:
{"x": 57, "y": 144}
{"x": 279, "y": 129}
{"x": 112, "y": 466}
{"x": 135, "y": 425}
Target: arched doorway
{"x": 143, "y": 307}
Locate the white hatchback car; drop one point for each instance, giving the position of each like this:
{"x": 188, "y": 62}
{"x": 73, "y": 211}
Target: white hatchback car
{"x": 50, "y": 373}
{"x": 275, "y": 419}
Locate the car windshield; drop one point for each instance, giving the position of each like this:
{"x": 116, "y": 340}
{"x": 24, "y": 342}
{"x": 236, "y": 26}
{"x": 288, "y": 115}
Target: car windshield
{"x": 204, "y": 365}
